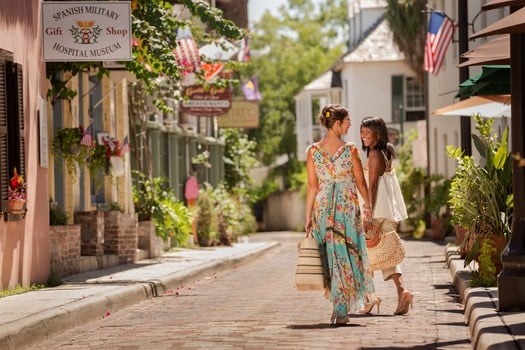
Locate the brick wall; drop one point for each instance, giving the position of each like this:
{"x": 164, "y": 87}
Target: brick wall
{"x": 92, "y": 232}
{"x": 64, "y": 248}
{"x": 121, "y": 235}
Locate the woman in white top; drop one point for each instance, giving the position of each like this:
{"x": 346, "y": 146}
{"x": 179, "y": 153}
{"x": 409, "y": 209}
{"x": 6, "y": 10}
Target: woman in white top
{"x": 388, "y": 206}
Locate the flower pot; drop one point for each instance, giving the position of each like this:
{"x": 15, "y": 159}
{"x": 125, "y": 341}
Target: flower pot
{"x": 16, "y": 206}
{"x": 461, "y": 233}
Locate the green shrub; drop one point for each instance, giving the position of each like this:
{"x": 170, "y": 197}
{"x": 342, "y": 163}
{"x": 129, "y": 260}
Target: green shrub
{"x": 154, "y": 200}
{"x": 207, "y": 219}
{"x": 57, "y": 215}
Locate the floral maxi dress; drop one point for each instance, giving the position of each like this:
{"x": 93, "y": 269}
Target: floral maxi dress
{"x": 338, "y": 230}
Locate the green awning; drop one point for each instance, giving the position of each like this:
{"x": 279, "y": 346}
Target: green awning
{"x": 492, "y": 80}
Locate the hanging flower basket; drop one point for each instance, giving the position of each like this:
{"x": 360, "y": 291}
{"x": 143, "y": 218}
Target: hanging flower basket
{"x": 67, "y": 144}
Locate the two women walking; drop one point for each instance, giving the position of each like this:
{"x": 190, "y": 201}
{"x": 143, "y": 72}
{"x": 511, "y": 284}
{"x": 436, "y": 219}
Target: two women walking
{"x": 338, "y": 221}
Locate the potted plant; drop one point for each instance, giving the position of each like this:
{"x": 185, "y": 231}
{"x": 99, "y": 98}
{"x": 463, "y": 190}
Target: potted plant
{"x": 481, "y": 197}
{"x": 201, "y": 160}
{"x": 437, "y": 205}
{"x": 16, "y": 193}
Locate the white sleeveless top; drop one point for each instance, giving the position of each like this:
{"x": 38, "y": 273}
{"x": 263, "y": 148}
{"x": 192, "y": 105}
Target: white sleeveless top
{"x": 389, "y": 203}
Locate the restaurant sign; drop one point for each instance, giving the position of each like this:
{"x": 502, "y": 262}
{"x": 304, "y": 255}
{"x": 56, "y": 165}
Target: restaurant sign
{"x": 199, "y": 101}
{"x": 86, "y": 30}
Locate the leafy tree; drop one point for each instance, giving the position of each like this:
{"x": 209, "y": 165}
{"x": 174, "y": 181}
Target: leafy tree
{"x": 289, "y": 50}
{"x": 407, "y": 20}
{"x": 239, "y": 159}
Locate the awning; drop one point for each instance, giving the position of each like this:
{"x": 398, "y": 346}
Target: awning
{"x": 494, "y": 4}
{"x": 490, "y": 106}
{"x": 513, "y": 23}
{"x": 496, "y": 51}
{"x": 492, "y": 80}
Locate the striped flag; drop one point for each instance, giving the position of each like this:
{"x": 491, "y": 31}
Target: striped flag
{"x": 125, "y": 145}
{"x": 87, "y": 137}
{"x": 439, "y": 36}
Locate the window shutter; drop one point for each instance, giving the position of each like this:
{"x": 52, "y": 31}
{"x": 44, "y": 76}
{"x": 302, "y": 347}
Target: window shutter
{"x": 20, "y": 105}
{"x": 4, "y": 165}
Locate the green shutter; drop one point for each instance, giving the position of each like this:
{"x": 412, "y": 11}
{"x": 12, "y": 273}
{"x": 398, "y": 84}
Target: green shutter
{"x": 397, "y": 98}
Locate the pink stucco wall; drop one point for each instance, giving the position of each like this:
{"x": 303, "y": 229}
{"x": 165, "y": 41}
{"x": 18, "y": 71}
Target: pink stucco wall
{"x": 24, "y": 245}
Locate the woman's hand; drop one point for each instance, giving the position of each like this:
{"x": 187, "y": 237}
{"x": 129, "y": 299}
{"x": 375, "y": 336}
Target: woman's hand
{"x": 308, "y": 227}
{"x": 367, "y": 218}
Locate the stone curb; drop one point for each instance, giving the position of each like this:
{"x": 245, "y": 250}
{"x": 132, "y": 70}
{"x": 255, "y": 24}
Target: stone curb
{"x": 488, "y": 330}
{"x": 24, "y": 332}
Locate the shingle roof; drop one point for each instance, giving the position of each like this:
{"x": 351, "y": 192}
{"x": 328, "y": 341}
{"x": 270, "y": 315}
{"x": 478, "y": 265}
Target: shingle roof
{"x": 377, "y": 46}
{"x": 323, "y": 82}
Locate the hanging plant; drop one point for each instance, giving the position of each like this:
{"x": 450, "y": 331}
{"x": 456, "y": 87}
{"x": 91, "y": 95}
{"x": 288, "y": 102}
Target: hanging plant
{"x": 97, "y": 161}
{"x": 67, "y": 145}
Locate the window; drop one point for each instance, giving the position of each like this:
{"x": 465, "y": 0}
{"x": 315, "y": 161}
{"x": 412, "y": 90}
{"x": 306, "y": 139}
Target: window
{"x": 408, "y": 99}
{"x": 12, "y": 143}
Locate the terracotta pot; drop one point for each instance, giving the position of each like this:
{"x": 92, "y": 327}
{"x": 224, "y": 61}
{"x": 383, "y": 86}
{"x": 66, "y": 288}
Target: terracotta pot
{"x": 16, "y": 206}
{"x": 461, "y": 233}
{"x": 497, "y": 241}
{"x": 438, "y": 229}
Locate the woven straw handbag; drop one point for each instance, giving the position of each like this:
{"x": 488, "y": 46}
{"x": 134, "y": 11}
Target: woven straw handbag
{"x": 309, "y": 271}
{"x": 385, "y": 250}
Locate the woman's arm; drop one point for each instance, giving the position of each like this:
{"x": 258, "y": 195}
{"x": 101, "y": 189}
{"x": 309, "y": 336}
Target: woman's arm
{"x": 375, "y": 169}
{"x": 359, "y": 177}
{"x": 311, "y": 189}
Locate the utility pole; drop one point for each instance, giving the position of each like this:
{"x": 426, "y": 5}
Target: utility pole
{"x": 464, "y": 74}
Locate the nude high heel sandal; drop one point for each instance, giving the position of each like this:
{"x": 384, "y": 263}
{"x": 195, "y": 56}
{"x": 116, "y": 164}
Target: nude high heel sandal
{"x": 405, "y": 302}
{"x": 370, "y": 306}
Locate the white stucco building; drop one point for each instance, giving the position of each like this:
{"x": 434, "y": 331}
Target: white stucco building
{"x": 372, "y": 78}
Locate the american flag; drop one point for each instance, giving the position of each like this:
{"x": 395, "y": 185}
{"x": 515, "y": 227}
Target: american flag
{"x": 439, "y": 36}
{"x": 125, "y": 145}
{"x": 87, "y": 138}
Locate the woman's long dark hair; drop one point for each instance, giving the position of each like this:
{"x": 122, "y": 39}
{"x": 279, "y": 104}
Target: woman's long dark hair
{"x": 378, "y": 127}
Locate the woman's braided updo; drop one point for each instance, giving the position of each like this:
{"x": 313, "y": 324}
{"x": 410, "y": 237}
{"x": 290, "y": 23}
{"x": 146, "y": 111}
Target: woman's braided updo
{"x": 331, "y": 113}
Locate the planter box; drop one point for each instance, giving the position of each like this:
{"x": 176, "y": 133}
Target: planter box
{"x": 121, "y": 235}
{"x": 148, "y": 241}
{"x": 92, "y": 232}
{"x": 64, "y": 249}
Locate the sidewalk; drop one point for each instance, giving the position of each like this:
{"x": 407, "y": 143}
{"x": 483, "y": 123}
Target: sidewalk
{"x": 489, "y": 329}
{"x": 29, "y": 317}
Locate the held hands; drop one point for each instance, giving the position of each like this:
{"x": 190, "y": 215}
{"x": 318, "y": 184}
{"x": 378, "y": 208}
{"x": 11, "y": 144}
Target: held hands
{"x": 367, "y": 218}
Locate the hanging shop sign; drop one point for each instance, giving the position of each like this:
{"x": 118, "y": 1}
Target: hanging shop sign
{"x": 203, "y": 102}
{"x": 86, "y": 30}
{"x": 243, "y": 114}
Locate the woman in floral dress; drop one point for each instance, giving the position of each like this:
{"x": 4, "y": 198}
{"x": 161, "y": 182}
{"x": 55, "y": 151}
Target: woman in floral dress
{"x": 333, "y": 216}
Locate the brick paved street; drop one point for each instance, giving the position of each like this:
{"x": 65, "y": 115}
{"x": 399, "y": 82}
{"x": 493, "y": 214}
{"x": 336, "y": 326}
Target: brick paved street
{"x": 255, "y": 306}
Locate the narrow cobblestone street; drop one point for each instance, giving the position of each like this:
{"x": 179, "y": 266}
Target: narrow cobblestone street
{"x": 255, "y": 306}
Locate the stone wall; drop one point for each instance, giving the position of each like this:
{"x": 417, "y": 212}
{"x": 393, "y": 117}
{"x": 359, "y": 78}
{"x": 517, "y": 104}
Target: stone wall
{"x": 284, "y": 211}
{"x": 64, "y": 248}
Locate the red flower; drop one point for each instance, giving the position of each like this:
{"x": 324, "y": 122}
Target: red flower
{"x": 17, "y": 187}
